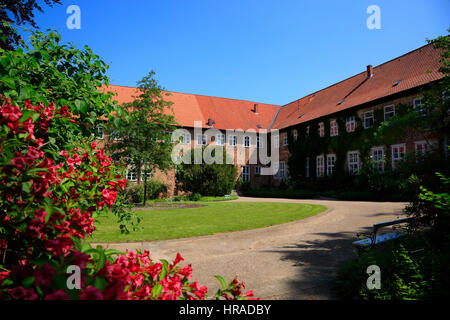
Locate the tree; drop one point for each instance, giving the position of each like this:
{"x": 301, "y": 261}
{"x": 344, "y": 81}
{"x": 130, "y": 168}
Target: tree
{"x": 143, "y": 134}
{"x": 18, "y": 12}
{"x": 45, "y": 70}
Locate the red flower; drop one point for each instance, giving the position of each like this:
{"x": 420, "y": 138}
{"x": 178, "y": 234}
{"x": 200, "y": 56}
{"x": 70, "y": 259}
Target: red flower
{"x": 91, "y": 293}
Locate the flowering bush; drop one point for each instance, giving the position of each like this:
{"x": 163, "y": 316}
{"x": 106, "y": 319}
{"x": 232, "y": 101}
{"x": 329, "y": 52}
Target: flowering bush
{"x": 49, "y": 200}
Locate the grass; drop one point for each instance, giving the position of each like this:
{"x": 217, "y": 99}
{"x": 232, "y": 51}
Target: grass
{"x": 214, "y": 217}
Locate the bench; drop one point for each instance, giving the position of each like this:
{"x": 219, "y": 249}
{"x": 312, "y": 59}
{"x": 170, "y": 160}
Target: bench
{"x": 372, "y": 239}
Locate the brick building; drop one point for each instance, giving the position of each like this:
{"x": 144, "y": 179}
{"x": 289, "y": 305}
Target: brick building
{"x": 379, "y": 90}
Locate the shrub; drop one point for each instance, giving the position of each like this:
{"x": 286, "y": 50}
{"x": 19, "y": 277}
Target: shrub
{"x": 156, "y": 189}
{"x": 195, "y": 197}
{"x": 134, "y": 194}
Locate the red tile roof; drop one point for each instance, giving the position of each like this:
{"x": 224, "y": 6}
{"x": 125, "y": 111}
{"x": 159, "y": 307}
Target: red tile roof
{"x": 414, "y": 69}
{"x": 226, "y": 113}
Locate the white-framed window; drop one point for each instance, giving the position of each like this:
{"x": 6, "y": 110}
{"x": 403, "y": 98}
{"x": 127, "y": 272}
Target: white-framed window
{"x": 282, "y": 169}
{"x": 320, "y": 166}
{"x": 131, "y": 175}
{"x": 258, "y": 170}
{"x": 353, "y": 162}
{"x": 276, "y": 141}
{"x": 295, "y": 135}
{"x": 232, "y": 140}
{"x": 259, "y": 143}
{"x": 307, "y": 167}
{"x": 114, "y": 135}
{"x": 350, "y": 124}
{"x": 149, "y": 175}
{"x": 421, "y": 148}
{"x": 285, "y": 139}
{"x": 201, "y": 139}
{"x": 185, "y": 138}
{"x": 398, "y": 152}
{"x": 321, "y": 129}
{"x": 247, "y": 141}
{"x": 99, "y": 133}
{"x": 334, "y": 130}
{"x": 419, "y": 106}
{"x": 368, "y": 119}
{"x": 245, "y": 173}
{"x": 276, "y": 170}
{"x": 389, "y": 112}
{"x": 331, "y": 160}
{"x": 377, "y": 155}
{"x": 220, "y": 139}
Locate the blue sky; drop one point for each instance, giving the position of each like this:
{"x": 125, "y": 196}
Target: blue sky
{"x": 271, "y": 51}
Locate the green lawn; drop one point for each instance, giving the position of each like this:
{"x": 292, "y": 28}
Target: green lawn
{"x": 215, "y": 217}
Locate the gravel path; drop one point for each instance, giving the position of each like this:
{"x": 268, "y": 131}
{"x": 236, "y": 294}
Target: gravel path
{"x": 296, "y": 260}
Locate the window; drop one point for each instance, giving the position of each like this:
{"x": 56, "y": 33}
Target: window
{"x": 377, "y": 156}
{"x": 320, "y": 166}
{"x": 331, "y": 160}
{"x": 245, "y": 174}
{"x": 115, "y": 136}
{"x": 258, "y": 170}
{"x": 398, "y": 152}
{"x": 220, "y": 139}
{"x": 232, "y": 140}
{"x": 247, "y": 141}
{"x": 307, "y": 130}
{"x": 285, "y": 139}
{"x": 201, "y": 139}
{"x": 149, "y": 175}
{"x": 295, "y": 135}
{"x": 350, "y": 124}
{"x": 321, "y": 129}
{"x": 353, "y": 162}
{"x": 276, "y": 141}
{"x": 186, "y": 138}
{"x": 276, "y": 171}
{"x": 282, "y": 169}
{"x": 419, "y": 106}
{"x": 99, "y": 132}
{"x": 333, "y": 128}
{"x": 259, "y": 143}
{"x": 368, "y": 119}
{"x": 421, "y": 148}
{"x": 389, "y": 112}
{"x": 131, "y": 175}
{"x": 307, "y": 167}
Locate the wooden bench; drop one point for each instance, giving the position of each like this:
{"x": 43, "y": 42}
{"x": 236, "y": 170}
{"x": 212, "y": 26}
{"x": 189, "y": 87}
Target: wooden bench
{"x": 372, "y": 239}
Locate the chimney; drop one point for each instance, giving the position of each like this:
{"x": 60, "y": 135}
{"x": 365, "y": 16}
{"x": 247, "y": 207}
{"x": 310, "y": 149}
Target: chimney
{"x": 255, "y": 108}
{"x": 369, "y": 71}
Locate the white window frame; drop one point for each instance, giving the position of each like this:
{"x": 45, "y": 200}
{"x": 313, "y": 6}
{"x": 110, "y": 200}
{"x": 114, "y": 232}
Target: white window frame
{"x": 285, "y": 139}
{"x": 351, "y": 164}
{"x": 276, "y": 169}
{"x": 320, "y": 166}
{"x": 245, "y": 173}
{"x": 321, "y": 129}
{"x": 114, "y": 135}
{"x": 149, "y": 175}
{"x": 232, "y": 140}
{"x": 390, "y": 113}
{"x": 204, "y": 138}
{"x": 350, "y": 121}
{"x": 419, "y": 106}
{"x": 424, "y": 150}
{"x": 131, "y": 175}
{"x": 396, "y": 159}
{"x": 220, "y": 139}
{"x": 377, "y": 163}
{"x": 99, "y": 129}
{"x": 276, "y": 141}
{"x": 186, "y": 138}
{"x": 249, "y": 140}
{"x": 334, "y": 128}
{"x": 295, "y": 135}
{"x": 331, "y": 161}
{"x": 259, "y": 142}
{"x": 367, "y": 116}
{"x": 258, "y": 170}
{"x": 282, "y": 170}
{"x": 307, "y": 174}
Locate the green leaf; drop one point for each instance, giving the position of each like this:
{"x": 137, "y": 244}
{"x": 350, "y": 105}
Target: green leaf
{"x": 8, "y": 82}
{"x": 28, "y": 282}
{"x": 222, "y": 281}
{"x": 157, "y": 289}
{"x": 26, "y": 186}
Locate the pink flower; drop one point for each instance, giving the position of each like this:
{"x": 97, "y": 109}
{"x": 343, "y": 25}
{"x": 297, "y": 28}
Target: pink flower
{"x": 44, "y": 275}
{"x": 57, "y": 295}
{"x": 20, "y": 293}
{"x": 91, "y": 293}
